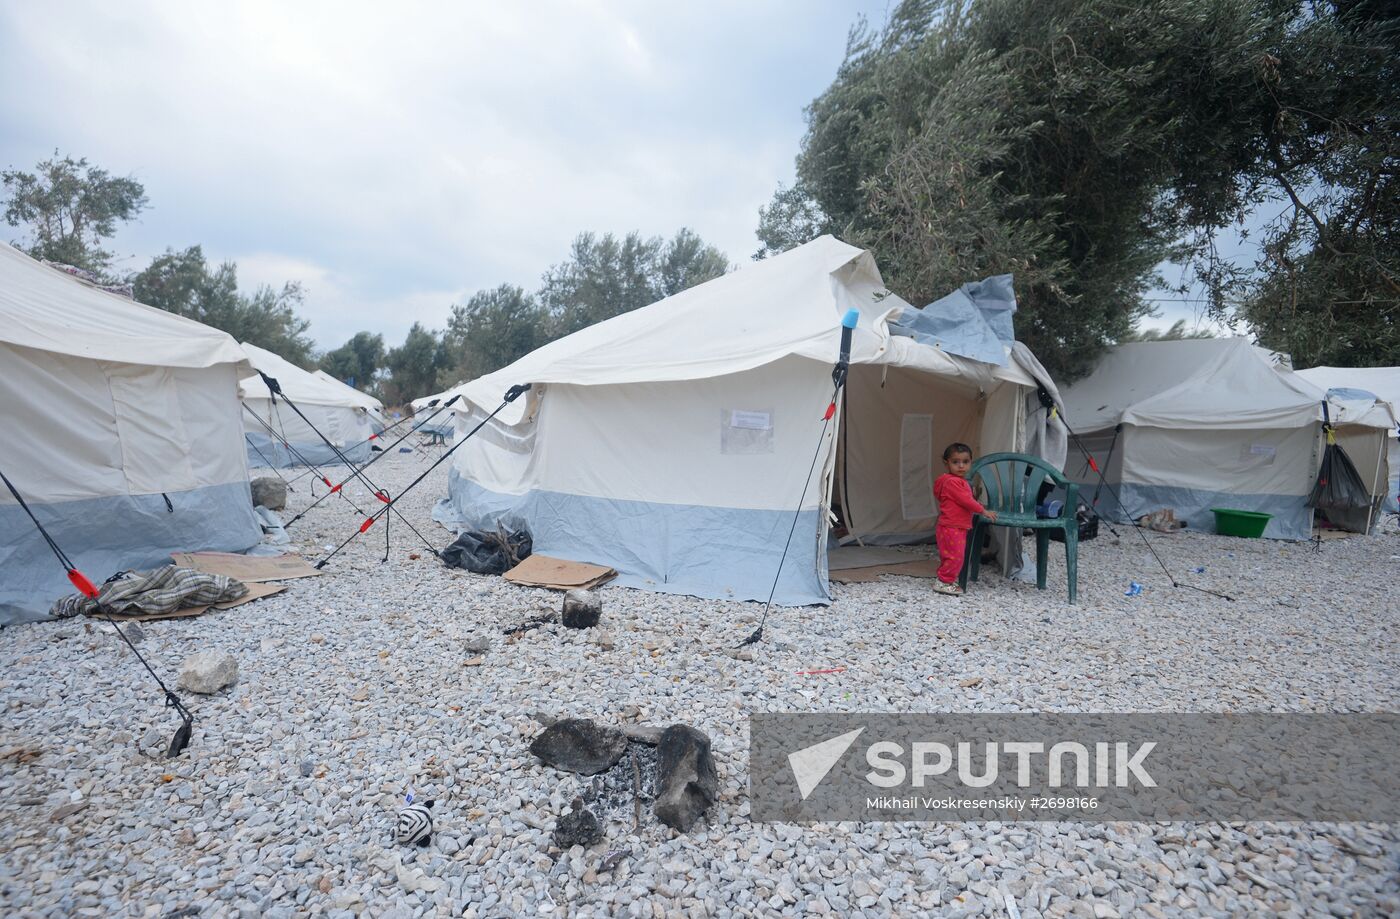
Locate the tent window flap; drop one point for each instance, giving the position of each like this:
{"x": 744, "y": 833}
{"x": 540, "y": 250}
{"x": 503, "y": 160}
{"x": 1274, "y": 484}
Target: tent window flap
{"x": 155, "y": 446}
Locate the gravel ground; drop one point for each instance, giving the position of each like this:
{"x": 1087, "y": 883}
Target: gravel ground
{"x": 356, "y": 687}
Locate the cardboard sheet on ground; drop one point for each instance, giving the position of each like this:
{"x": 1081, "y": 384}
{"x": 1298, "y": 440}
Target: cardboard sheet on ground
{"x": 247, "y": 568}
{"x": 255, "y": 592}
{"x": 848, "y": 557}
{"x": 558, "y": 574}
{"x": 921, "y": 568}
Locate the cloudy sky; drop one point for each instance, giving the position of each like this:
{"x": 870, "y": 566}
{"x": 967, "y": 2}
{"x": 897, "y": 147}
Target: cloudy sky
{"x": 397, "y": 158}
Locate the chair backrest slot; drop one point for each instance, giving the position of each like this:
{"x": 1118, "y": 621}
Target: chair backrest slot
{"x": 1013, "y": 481}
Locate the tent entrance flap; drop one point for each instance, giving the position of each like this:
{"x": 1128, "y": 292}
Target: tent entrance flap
{"x": 894, "y": 427}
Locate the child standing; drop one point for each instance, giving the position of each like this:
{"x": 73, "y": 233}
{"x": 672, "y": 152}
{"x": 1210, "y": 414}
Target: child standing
{"x": 955, "y": 509}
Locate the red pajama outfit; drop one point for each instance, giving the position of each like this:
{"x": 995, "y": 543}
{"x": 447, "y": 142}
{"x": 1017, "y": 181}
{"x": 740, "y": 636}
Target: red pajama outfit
{"x": 955, "y": 509}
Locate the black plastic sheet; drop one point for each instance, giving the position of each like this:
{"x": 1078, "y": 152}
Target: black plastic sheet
{"x": 488, "y": 553}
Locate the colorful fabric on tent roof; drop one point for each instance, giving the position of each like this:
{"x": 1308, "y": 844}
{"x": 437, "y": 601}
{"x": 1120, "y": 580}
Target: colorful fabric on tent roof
{"x": 92, "y": 280}
{"x": 973, "y": 321}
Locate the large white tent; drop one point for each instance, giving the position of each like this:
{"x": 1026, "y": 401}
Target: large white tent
{"x": 673, "y": 443}
{"x": 339, "y": 415}
{"x": 124, "y": 435}
{"x": 1199, "y": 424}
{"x": 1381, "y": 382}
{"x": 373, "y": 406}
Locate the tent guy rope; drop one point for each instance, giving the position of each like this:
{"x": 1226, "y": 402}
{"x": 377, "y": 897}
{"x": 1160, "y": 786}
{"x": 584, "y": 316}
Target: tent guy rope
{"x": 511, "y": 395}
{"x": 838, "y": 379}
{"x": 301, "y": 458}
{"x": 275, "y": 471}
{"x": 275, "y": 391}
{"x": 373, "y": 460}
{"x": 380, "y": 435}
{"x": 181, "y": 740}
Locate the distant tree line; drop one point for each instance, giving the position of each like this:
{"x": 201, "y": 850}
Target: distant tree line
{"x": 71, "y": 208}
{"x": 602, "y": 277}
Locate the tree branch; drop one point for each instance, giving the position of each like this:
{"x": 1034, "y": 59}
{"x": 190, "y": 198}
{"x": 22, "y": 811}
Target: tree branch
{"x": 1301, "y": 205}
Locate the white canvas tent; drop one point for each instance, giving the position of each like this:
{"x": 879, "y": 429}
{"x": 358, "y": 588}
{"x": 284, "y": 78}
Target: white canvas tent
{"x": 124, "y": 435}
{"x": 343, "y": 418}
{"x": 424, "y": 408}
{"x": 1197, "y": 424}
{"x": 1381, "y": 382}
{"x": 672, "y": 442}
{"x": 377, "y": 419}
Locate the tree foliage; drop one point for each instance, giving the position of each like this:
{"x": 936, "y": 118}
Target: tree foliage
{"x": 605, "y": 277}
{"x": 414, "y": 366}
{"x": 70, "y": 207}
{"x": 182, "y": 282}
{"x": 357, "y": 361}
{"x": 1177, "y": 331}
{"x": 494, "y": 328}
{"x": 1326, "y": 285}
{"x": 1080, "y": 143}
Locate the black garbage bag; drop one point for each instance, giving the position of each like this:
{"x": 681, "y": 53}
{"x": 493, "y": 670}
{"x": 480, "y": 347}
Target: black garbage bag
{"x": 1339, "y": 486}
{"x": 488, "y": 553}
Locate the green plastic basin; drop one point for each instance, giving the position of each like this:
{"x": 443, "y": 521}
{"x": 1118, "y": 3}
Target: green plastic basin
{"x": 1249, "y": 524}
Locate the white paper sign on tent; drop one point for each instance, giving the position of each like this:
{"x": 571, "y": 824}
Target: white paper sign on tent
{"x": 752, "y": 421}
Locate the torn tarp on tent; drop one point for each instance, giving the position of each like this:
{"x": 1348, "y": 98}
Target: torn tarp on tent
{"x": 973, "y": 321}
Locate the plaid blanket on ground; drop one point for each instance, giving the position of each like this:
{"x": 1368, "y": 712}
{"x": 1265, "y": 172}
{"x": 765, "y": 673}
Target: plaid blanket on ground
{"x": 163, "y": 590}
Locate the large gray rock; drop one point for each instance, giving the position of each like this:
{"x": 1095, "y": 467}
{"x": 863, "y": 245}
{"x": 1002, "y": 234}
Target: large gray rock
{"x": 579, "y": 745}
{"x": 270, "y": 493}
{"x": 687, "y": 781}
{"x": 208, "y": 672}
{"x": 582, "y": 609}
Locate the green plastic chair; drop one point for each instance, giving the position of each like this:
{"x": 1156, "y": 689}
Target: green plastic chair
{"x": 1013, "y": 481}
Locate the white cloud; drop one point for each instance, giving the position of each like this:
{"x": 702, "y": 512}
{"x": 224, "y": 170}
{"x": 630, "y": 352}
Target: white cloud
{"x": 335, "y": 301}
{"x": 395, "y": 158}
